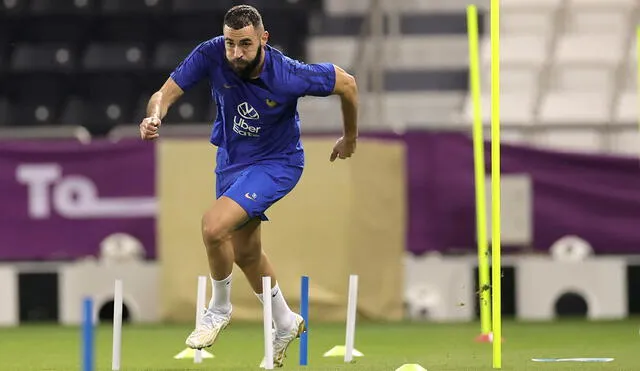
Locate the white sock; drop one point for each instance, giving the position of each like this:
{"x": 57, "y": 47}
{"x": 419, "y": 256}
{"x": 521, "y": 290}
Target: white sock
{"x": 220, "y": 295}
{"x": 282, "y": 314}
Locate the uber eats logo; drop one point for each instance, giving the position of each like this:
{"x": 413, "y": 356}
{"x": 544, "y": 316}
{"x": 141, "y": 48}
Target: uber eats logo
{"x": 242, "y": 124}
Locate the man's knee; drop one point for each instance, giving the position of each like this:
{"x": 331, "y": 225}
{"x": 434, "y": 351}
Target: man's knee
{"x": 219, "y": 222}
{"x": 214, "y": 233}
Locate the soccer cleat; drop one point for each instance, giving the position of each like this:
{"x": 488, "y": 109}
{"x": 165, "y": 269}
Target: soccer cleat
{"x": 207, "y": 331}
{"x": 282, "y": 340}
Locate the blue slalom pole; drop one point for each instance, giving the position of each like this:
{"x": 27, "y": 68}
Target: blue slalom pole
{"x": 87, "y": 335}
{"x": 304, "y": 312}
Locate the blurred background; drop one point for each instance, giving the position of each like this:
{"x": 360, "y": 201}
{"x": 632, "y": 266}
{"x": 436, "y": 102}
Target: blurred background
{"x": 83, "y": 201}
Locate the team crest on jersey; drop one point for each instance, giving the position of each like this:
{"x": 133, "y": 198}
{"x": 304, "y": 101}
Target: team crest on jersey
{"x": 271, "y": 103}
{"x": 247, "y": 124}
{"x": 247, "y": 111}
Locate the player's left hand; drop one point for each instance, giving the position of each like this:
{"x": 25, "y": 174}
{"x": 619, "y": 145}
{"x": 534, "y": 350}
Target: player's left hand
{"x": 344, "y": 148}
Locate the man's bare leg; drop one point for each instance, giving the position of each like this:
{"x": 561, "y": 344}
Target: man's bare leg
{"x": 218, "y": 224}
{"x": 255, "y": 264}
{"x": 247, "y": 249}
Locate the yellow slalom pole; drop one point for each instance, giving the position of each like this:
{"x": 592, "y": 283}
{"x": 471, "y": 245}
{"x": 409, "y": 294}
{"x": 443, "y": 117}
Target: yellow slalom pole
{"x": 496, "y": 268}
{"x": 478, "y": 158}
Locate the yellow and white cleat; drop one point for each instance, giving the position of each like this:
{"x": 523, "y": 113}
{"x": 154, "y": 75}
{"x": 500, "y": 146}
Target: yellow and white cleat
{"x": 206, "y": 333}
{"x": 282, "y": 340}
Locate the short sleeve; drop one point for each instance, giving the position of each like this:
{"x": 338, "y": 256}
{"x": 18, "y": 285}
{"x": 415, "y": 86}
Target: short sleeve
{"x": 194, "y": 67}
{"x": 317, "y": 79}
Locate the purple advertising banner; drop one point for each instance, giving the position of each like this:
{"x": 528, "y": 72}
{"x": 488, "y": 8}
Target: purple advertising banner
{"x": 60, "y": 198}
{"x": 595, "y": 197}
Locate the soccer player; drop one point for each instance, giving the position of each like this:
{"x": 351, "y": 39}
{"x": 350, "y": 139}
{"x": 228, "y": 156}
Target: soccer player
{"x": 260, "y": 157}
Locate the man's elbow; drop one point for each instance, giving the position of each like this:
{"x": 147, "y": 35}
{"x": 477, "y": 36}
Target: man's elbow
{"x": 345, "y": 84}
{"x": 351, "y": 84}
{"x": 348, "y": 86}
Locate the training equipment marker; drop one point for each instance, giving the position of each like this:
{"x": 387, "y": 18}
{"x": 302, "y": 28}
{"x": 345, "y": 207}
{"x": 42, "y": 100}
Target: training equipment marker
{"x": 267, "y": 318}
{"x": 484, "y": 288}
{"x": 87, "y": 335}
{"x": 117, "y": 326}
{"x": 496, "y": 268}
{"x": 304, "y": 312}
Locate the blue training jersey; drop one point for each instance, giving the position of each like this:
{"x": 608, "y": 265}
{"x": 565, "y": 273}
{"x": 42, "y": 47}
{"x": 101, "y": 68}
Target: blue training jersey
{"x": 256, "y": 119}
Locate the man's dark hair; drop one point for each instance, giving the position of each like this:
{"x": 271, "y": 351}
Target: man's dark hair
{"x": 241, "y": 16}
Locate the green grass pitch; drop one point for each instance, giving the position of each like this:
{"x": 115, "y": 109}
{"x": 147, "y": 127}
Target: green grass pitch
{"x": 437, "y": 347}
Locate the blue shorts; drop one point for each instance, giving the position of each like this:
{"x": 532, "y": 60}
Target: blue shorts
{"x": 258, "y": 186}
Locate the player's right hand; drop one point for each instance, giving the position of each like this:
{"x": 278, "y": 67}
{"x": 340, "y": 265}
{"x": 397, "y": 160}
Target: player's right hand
{"x": 149, "y": 128}
{"x": 344, "y": 148}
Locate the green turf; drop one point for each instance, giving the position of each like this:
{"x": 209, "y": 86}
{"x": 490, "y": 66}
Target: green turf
{"x": 437, "y": 347}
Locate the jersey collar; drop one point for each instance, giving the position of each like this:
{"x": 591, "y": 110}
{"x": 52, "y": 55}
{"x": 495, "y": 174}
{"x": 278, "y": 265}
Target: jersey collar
{"x": 267, "y": 61}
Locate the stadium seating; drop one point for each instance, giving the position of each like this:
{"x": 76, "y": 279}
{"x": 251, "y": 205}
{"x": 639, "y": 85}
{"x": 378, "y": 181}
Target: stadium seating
{"x": 423, "y": 62}
{"x": 95, "y": 62}
{"x": 568, "y": 73}
{"x": 568, "y": 76}
{"x": 568, "y": 67}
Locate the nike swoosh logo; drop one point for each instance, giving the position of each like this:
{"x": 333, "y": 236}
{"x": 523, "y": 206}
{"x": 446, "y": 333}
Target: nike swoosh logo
{"x": 247, "y": 195}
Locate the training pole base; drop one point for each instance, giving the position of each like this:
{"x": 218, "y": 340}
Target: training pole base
{"x": 189, "y": 353}
{"x": 485, "y": 338}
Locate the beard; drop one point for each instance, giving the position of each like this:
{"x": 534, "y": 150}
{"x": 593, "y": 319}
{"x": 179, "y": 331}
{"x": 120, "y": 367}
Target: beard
{"x": 243, "y": 68}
